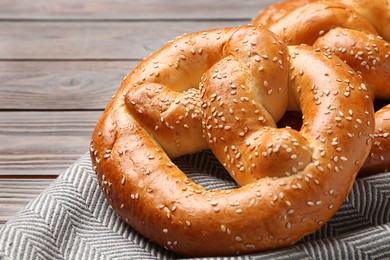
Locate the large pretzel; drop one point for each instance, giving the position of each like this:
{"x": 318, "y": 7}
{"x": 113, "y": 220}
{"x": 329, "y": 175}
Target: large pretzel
{"x": 292, "y": 182}
{"x": 349, "y": 29}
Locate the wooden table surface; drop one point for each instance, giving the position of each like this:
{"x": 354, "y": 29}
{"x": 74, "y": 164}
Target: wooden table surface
{"x": 60, "y": 63}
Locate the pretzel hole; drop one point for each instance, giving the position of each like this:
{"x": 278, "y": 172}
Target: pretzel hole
{"x": 292, "y": 119}
{"x": 379, "y": 103}
{"x": 205, "y": 170}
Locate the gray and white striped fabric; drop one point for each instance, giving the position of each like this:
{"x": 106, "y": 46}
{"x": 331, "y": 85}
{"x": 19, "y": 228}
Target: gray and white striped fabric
{"x": 72, "y": 220}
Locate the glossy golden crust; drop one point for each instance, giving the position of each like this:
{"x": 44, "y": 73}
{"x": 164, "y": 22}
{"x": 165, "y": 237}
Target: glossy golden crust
{"x": 367, "y": 54}
{"x": 377, "y": 12}
{"x": 320, "y": 24}
{"x": 378, "y": 160}
{"x": 249, "y": 78}
{"x": 306, "y": 23}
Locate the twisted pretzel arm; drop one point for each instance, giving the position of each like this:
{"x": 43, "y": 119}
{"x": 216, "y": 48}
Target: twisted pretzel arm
{"x": 367, "y": 54}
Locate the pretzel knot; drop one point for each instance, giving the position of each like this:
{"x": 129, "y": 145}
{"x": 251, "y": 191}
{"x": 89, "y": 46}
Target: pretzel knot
{"x": 224, "y": 90}
{"x": 356, "y": 31}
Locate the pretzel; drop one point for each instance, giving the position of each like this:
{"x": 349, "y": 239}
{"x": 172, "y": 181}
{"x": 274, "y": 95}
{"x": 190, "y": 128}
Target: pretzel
{"x": 351, "y": 33}
{"x": 291, "y": 182}
{"x": 377, "y": 12}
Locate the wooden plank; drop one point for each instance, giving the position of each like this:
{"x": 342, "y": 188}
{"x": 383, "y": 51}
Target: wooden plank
{"x": 43, "y": 143}
{"x": 15, "y": 194}
{"x": 93, "y": 40}
{"x": 60, "y": 85}
{"x": 120, "y": 9}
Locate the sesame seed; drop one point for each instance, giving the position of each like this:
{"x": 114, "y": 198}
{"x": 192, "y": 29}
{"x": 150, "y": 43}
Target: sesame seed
{"x": 250, "y": 246}
{"x": 288, "y": 225}
{"x": 223, "y": 228}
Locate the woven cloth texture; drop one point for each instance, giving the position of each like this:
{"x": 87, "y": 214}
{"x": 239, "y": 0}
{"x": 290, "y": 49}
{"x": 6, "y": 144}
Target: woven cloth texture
{"x": 71, "y": 219}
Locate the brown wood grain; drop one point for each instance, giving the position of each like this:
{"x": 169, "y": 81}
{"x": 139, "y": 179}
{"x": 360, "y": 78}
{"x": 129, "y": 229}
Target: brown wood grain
{"x": 43, "y": 143}
{"x": 58, "y": 85}
{"x": 15, "y": 194}
{"x": 93, "y": 40}
{"x": 121, "y": 9}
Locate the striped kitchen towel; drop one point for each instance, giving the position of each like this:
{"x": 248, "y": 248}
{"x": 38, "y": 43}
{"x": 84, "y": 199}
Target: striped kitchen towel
{"x": 72, "y": 220}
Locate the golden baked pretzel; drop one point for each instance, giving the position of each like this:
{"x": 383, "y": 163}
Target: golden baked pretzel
{"x": 349, "y": 29}
{"x": 292, "y": 182}
{"x": 377, "y": 13}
